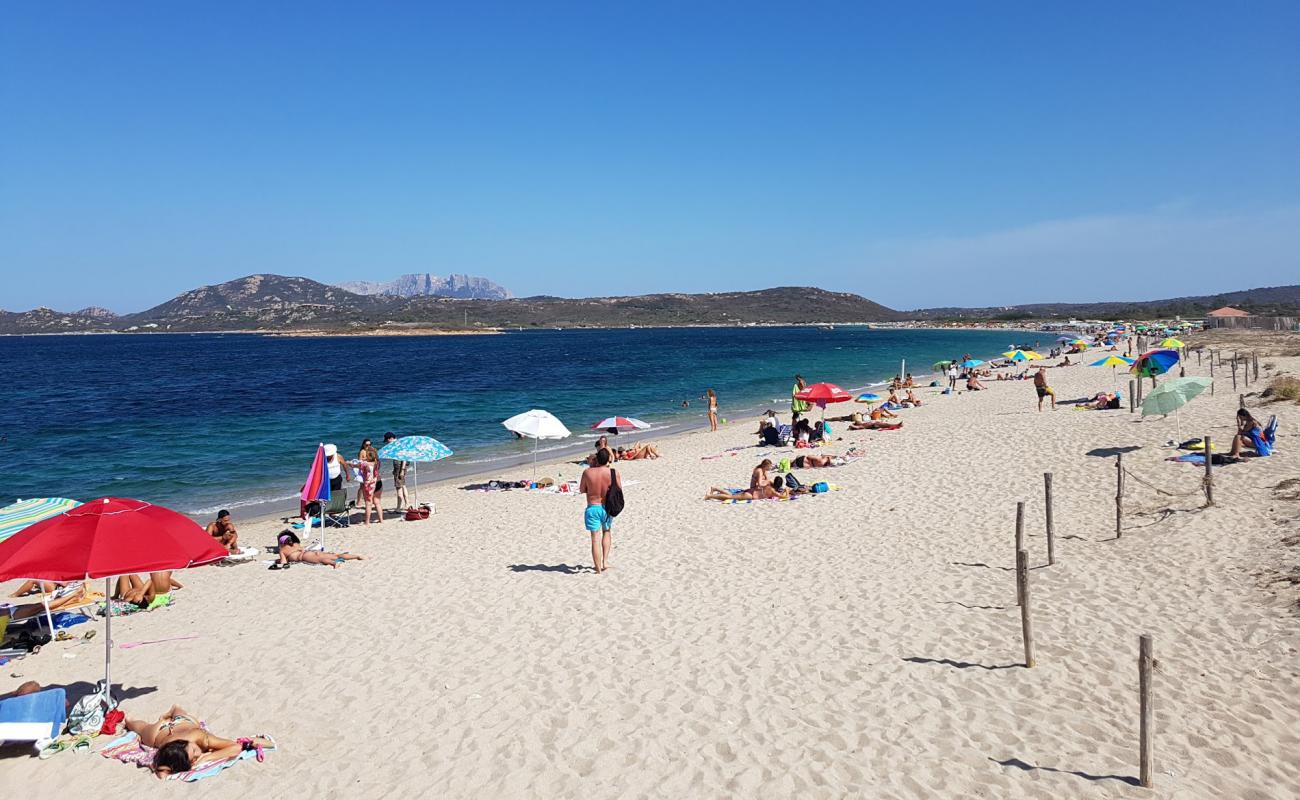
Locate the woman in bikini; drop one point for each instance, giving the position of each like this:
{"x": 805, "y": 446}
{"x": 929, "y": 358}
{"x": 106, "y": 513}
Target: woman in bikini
{"x": 292, "y": 552}
{"x": 157, "y": 591}
{"x": 713, "y": 410}
{"x": 183, "y": 744}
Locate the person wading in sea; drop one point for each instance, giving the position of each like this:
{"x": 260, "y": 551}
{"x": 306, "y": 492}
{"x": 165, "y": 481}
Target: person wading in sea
{"x": 595, "y": 483}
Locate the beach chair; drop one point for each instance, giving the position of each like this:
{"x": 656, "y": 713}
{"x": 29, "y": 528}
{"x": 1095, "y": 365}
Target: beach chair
{"x": 35, "y": 716}
{"x": 339, "y": 512}
{"x": 786, "y": 432}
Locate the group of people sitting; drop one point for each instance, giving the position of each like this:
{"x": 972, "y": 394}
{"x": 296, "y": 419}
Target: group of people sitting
{"x": 765, "y": 486}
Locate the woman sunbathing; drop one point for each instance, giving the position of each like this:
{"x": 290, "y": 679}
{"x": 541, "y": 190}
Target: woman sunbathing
{"x": 911, "y": 398}
{"x": 880, "y": 412}
{"x": 292, "y": 552}
{"x": 973, "y": 383}
{"x": 183, "y": 744}
{"x": 638, "y": 451}
{"x": 146, "y": 594}
{"x": 874, "y": 425}
{"x": 816, "y": 462}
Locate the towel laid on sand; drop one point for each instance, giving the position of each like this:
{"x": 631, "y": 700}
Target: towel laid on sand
{"x": 129, "y": 750}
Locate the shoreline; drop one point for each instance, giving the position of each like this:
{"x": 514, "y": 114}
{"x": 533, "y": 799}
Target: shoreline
{"x": 863, "y": 642}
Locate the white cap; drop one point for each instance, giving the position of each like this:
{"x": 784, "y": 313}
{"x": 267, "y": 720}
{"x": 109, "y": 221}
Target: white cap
{"x": 331, "y": 450}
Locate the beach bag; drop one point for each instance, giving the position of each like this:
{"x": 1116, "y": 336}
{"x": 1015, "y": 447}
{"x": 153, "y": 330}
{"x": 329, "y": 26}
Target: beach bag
{"x": 613, "y": 496}
{"x": 820, "y": 486}
{"x": 791, "y": 482}
{"x": 87, "y": 716}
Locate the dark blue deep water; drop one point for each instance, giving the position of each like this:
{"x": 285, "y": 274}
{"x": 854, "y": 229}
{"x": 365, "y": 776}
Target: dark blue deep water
{"x": 197, "y": 422}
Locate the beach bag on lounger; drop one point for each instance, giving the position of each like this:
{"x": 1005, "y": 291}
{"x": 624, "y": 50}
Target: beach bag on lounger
{"x": 613, "y": 496}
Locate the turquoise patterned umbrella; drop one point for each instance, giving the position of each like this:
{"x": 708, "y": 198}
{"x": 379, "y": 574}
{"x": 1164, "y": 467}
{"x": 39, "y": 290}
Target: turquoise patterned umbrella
{"x": 29, "y": 512}
{"x": 415, "y": 449}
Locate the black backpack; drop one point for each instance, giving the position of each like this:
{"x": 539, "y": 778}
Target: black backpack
{"x": 613, "y": 496}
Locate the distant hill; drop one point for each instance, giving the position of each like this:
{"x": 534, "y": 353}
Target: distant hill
{"x": 274, "y": 303}
{"x": 278, "y": 303}
{"x": 1268, "y": 300}
{"x": 425, "y": 284}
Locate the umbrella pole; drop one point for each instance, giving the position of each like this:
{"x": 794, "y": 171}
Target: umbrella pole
{"x": 415, "y": 465}
{"x": 535, "y": 441}
{"x": 49, "y": 618}
{"x": 108, "y": 637}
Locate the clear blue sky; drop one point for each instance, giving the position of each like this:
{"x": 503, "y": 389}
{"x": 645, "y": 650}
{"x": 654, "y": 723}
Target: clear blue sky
{"x": 919, "y": 156}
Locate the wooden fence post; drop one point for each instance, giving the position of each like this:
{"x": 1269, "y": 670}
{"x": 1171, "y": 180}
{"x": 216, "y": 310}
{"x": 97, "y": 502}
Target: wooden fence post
{"x": 1211, "y": 363}
{"x": 1146, "y": 709}
{"x": 1131, "y": 399}
{"x": 1234, "y": 373}
{"x": 1051, "y": 530}
{"x": 1020, "y": 531}
{"x": 1119, "y": 495}
{"x": 1255, "y": 359}
{"x": 1022, "y": 592}
{"x": 1209, "y": 472}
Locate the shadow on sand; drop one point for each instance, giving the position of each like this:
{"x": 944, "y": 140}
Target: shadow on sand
{"x": 566, "y": 569}
{"x": 1018, "y": 764}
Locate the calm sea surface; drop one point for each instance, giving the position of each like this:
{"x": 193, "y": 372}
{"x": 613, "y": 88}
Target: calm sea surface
{"x": 197, "y": 422}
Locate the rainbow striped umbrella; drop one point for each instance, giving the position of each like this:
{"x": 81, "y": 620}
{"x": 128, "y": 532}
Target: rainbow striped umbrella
{"x": 29, "y": 512}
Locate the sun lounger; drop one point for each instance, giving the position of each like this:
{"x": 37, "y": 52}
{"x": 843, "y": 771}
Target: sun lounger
{"x": 30, "y": 717}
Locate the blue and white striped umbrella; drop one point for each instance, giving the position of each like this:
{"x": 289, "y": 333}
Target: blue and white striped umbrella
{"x": 415, "y": 448}
{"x": 29, "y": 512}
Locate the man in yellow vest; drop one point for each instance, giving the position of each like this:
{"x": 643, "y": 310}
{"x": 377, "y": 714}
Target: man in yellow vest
{"x": 797, "y": 406}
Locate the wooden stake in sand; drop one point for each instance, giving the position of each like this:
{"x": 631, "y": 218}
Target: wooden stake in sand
{"x": 1020, "y": 533}
{"x": 1234, "y": 373}
{"x": 1131, "y": 399}
{"x": 1211, "y": 363}
{"x": 1209, "y": 474}
{"x": 1119, "y": 495}
{"x": 1147, "y": 710}
{"x": 1022, "y": 594}
{"x": 1051, "y": 531}
{"x": 1255, "y": 358}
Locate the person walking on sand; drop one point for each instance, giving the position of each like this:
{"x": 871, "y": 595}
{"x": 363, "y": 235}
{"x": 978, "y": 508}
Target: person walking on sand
{"x": 713, "y": 410}
{"x": 797, "y": 406}
{"x": 595, "y": 483}
{"x": 953, "y": 372}
{"x": 1040, "y": 385}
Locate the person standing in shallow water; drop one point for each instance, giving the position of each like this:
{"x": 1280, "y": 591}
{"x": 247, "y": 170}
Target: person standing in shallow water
{"x": 595, "y": 483}
{"x": 713, "y": 410}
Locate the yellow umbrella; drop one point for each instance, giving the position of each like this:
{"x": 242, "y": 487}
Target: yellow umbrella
{"x": 1022, "y": 355}
{"x": 1172, "y": 342}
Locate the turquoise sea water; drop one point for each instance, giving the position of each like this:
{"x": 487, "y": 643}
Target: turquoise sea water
{"x": 198, "y": 422}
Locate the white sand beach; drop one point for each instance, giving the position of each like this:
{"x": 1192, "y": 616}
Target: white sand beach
{"x": 862, "y": 643}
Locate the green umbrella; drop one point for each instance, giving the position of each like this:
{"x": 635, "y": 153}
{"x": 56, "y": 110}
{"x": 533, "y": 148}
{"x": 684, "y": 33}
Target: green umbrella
{"x": 1172, "y": 395}
{"x": 941, "y": 366}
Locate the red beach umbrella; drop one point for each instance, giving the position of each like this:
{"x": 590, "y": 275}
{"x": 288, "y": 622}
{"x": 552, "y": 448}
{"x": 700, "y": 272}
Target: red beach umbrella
{"x": 823, "y": 393}
{"x": 106, "y": 538}
{"x": 621, "y": 424}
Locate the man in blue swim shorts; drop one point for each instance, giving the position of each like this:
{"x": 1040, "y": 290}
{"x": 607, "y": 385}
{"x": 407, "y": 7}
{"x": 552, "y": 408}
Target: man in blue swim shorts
{"x": 595, "y": 483}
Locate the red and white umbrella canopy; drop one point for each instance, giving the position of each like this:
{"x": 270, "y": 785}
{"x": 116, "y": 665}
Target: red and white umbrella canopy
{"x": 620, "y": 423}
{"x": 824, "y": 393}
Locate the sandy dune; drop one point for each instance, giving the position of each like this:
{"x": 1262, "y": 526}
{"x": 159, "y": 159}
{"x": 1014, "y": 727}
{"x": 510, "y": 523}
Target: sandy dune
{"x": 865, "y": 643}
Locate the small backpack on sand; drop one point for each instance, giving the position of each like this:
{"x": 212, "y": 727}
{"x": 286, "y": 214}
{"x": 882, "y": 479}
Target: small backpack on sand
{"x": 613, "y": 496}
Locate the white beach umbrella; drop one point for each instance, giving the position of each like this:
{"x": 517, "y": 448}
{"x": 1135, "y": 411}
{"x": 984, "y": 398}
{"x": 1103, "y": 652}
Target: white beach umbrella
{"x": 536, "y": 425}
